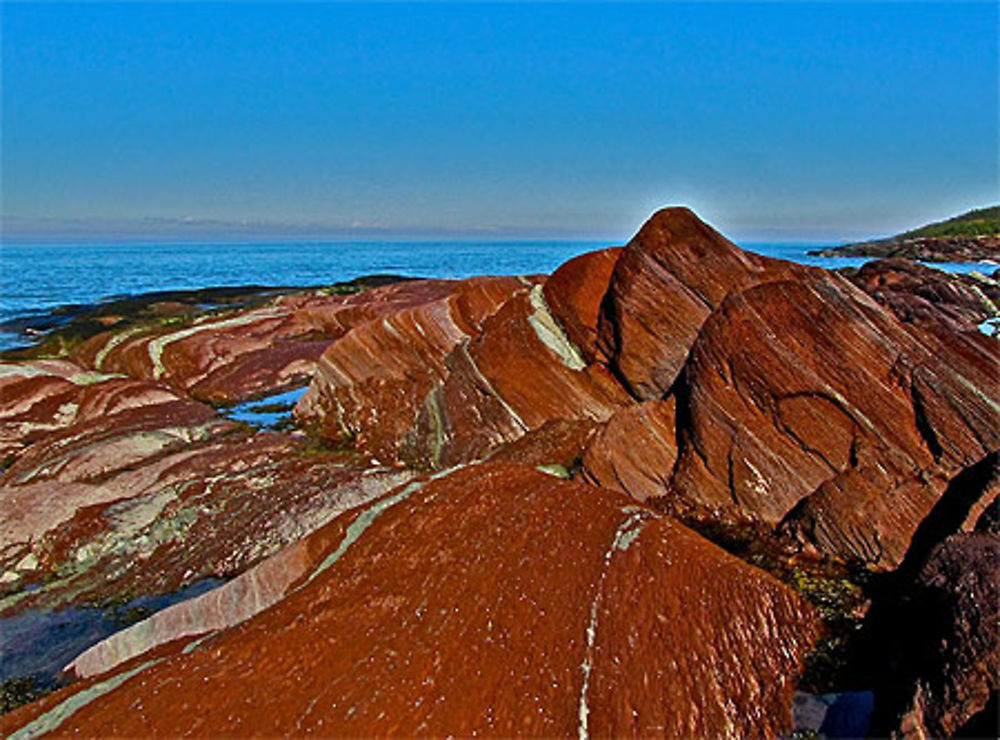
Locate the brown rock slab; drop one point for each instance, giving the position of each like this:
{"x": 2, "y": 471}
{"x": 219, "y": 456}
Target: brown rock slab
{"x": 519, "y": 373}
{"x": 574, "y": 294}
{"x": 635, "y": 451}
{"x": 804, "y": 394}
{"x": 666, "y": 282}
{"x": 494, "y": 600}
{"x": 250, "y": 352}
{"x": 371, "y": 383}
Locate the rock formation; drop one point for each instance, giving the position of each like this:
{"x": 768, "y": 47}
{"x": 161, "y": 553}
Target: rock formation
{"x": 496, "y": 599}
{"x": 931, "y": 297}
{"x": 405, "y": 556}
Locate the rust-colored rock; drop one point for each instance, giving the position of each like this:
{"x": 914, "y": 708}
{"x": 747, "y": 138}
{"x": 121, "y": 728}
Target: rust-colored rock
{"x": 806, "y": 394}
{"x": 635, "y": 451}
{"x": 520, "y": 373}
{"x": 495, "y": 600}
{"x": 250, "y": 352}
{"x": 371, "y": 383}
{"x": 574, "y": 294}
{"x": 666, "y": 282}
{"x": 556, "y": 447}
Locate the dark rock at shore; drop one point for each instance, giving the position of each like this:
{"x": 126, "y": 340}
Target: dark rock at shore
{"x": 925, "y": 249}
{"x": 931, "y": 641}
{"x": 920, "y": 294}
{"x": 938, "y": 638}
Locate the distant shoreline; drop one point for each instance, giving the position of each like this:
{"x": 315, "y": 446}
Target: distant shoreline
{"x": 923, "y": 249}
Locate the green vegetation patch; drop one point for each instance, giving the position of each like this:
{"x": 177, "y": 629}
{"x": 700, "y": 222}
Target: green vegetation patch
{"x": 980, "y": 222}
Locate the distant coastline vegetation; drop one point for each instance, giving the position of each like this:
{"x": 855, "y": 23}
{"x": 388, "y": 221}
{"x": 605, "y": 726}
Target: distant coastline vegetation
{"x": 978, "y": 222}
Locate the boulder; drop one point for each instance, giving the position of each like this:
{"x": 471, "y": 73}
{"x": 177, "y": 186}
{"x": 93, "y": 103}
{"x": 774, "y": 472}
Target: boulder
{"x": 574, "y": 294}
{"x": 495, "y": 599}
{"x": 519, "y": 373}
{"x": 665, "y": 284}
{"x": 938, "y": 643}
{"x": 635, "y": 451}
{"x": 805, "y": 402}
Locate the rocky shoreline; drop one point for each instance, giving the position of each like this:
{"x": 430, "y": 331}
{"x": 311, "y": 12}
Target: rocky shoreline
{"x": 674, "y": 487}
{"x": 923, "y": 249}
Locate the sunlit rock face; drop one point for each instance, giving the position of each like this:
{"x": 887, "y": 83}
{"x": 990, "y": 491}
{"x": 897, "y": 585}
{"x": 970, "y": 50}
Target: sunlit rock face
{"x": 372, "y": 383}
{"x": 806, "y": 394}
{"x": 672, "y": 275}
{"x": 454, "y": 378}
{"x": 496, "y": 599}
{"x": 243, "y": 353}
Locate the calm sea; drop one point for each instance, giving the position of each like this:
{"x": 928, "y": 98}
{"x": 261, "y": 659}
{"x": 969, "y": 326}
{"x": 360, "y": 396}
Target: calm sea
{"x": 36, "y": 278}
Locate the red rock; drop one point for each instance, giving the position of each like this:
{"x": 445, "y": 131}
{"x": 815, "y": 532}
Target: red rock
{"x": 520, "y": 373}
{"x": 574, "y": 293}
{"x": 635, "y": 451}
{"x": 806, "y": 394}
{"x": 37, "y": 398}
{"x": 371, "y": 383}
{"x": 557, "y": 446}
{"x": 668, "y": 280}
{"x": 250, "y": 352}
{"x": 128, "y": 487}
{"x": 497, "y": 600}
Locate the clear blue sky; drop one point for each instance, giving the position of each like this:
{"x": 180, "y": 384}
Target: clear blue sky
{"x": 808, "y": 120}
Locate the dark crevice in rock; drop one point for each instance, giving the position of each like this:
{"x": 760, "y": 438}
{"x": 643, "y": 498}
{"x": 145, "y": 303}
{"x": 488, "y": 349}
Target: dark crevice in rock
{"x": 951, "y": 510}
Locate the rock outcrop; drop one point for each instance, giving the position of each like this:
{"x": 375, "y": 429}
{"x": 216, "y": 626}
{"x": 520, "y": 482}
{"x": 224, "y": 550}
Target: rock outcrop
{"x": 665, "y": 284}
{"x": 636, "y": 450}
{"x": 985, "y": 248}
{"x": 117, "y": 485}
{"x": 931, "y": 297}
{"x": 234, "y": 355}
{"x": 406, "y": 556}
{"x": 939, "y": 644}
{"x": 805, "y": 401}
{"x": 496, "y": 599}
{"x": 372, "y": 382}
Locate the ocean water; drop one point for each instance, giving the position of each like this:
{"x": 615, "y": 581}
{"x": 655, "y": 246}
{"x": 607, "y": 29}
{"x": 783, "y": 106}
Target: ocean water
{"x": 35, "y": 278}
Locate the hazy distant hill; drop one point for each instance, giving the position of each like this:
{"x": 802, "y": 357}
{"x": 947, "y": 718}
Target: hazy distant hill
{"x": 970, "y": 237}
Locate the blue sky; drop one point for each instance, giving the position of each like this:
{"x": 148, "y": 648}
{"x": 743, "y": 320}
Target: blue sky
{"x": 774, "y": 120}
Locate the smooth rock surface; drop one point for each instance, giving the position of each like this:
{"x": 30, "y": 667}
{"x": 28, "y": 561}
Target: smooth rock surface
{"x": 496, "y": 599}
{"x": 666, "y": 282}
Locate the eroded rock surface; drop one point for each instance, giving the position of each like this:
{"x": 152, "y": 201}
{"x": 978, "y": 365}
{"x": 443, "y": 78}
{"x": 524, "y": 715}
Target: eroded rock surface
{"x": 515, "y": 603}
{"x": 665, "y": 284}
{"x": 916, "y": 293}
{"x": 795, "y": 415}
{"x": 939, "y": 637}
{"x": 807, "y": 394}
